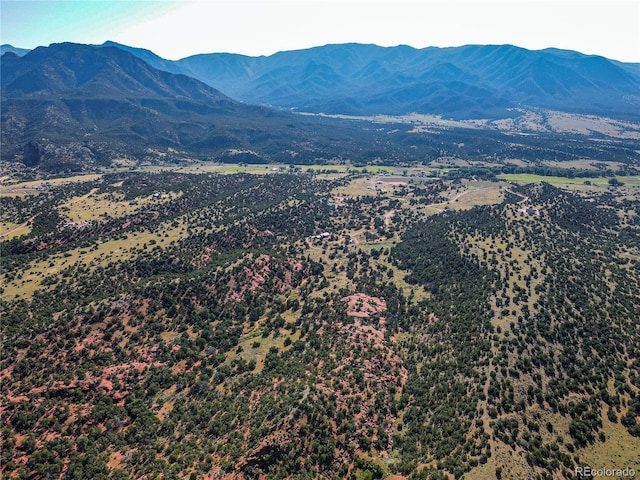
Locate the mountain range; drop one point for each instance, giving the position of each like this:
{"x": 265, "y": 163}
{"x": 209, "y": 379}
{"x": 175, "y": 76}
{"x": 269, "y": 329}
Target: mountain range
{"x": 474, "y": 81}
{"x": 93, "y": 104}
{"x": 71, "y": 105}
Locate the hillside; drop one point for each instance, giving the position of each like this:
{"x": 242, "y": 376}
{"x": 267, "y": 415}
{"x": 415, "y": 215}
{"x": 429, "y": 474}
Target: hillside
{"x": 319, "y": 325}
{"x": 474, "y": 81}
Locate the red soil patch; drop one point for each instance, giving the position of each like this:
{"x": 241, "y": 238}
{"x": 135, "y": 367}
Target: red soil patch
{"x": 92, "y": 339}
{"x": 60, "y": 386}
{"x": 125, "y": 366}
{"x": 254, "y": 277}
{"x": 361, "y": 305}
{"x": 19, "y": 398}
{"x": 48, "y": 436}
{"x": 106, "y": 384}
{"x": 115, "y": 460}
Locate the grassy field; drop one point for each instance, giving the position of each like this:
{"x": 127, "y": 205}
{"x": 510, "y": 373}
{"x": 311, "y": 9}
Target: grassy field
{"x": 233, "y": 168}
{"x": 9, "y": 230}
{"x": 361, "y": 186}
{"x": 101, "y": 253}
{"x": 531, "y": 178}
{"x": 619, "y": 450}
{"x": 254, "y": 347}
{"x": 346, "y": 168}
{"x": 582, "y": 164}
{"x": 93, "y": 207}
{"x": 475, "y": 193}
{"x": 54, "y": 181}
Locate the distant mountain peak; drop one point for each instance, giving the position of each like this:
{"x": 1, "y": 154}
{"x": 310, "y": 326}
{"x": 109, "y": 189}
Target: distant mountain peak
{"x": 4, "y": 48}
{"x": 83, "y": 70}
{"x": 82, "y": 94}
{"x": 139, "y": 51}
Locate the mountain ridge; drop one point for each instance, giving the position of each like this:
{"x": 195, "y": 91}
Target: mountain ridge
{"x": 342, "y": 78}
{"x": 470, "y": 81}
{"x": 63, "y": 69}
{"x": 70, "y": 106}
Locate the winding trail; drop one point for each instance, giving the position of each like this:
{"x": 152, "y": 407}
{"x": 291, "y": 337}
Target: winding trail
{"x": 19, "y": 227}
{"x": 517, "y": 194}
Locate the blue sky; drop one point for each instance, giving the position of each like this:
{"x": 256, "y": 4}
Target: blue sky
{"x": 176, "y": 29}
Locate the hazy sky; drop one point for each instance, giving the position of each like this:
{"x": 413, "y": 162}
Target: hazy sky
{"x": 176, "y": 29}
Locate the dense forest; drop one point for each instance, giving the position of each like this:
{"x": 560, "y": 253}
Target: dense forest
{"x": 287, "y": 325}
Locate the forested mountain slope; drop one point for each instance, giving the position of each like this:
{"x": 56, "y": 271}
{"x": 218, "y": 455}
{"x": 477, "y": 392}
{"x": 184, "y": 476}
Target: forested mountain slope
{"x": 472, "y": 81}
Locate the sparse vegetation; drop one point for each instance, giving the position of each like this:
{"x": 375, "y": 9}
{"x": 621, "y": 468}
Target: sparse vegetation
{"x": 304, "y": 325}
